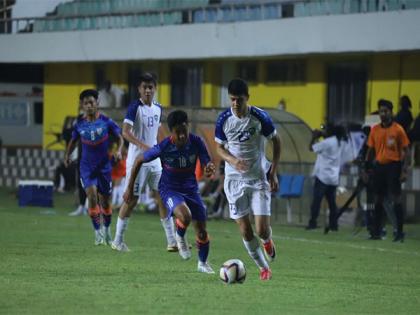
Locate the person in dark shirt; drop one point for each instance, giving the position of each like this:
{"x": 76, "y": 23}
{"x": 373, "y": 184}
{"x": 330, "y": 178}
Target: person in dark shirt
{"x": 404, "y": 116}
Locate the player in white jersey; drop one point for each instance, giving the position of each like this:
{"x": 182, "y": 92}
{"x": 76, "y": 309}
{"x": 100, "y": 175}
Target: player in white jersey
{"x": 140, "y": 128}
{"x": 249, "y": 178}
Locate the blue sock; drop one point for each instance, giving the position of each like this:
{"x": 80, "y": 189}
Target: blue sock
{"x": 180, "y": 228}
{"x": 203, "y": 250}
{"x": 107, "y": 219}
{"x": 96, "y": 221}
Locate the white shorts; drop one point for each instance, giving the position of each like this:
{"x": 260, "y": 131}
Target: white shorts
{"x": 148, "y": 175}
{"x": 244, "y": 197}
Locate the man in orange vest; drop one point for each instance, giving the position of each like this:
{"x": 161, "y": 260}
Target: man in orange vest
{"x": 389, "y": 152}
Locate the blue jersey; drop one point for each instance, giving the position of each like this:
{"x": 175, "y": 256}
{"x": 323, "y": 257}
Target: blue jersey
{"x": 179, "y": 164}
{"x": 94, "y": 136}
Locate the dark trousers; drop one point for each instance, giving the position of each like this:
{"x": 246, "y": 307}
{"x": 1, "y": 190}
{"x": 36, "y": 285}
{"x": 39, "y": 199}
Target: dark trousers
{"x": 322, "y": 190}
{"x": 386, "y": 179}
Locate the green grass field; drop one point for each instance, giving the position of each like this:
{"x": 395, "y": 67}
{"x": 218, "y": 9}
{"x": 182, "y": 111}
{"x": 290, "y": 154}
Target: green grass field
{"x": 49, "y": 265}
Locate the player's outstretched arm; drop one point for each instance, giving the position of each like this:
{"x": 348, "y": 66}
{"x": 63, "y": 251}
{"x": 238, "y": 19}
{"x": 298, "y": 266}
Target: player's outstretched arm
{"x": 129, "y": 136}
{"x": 69, "y": 151}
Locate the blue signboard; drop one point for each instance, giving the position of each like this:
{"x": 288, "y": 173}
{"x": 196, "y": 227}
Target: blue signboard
{"x": 14, "y": 114}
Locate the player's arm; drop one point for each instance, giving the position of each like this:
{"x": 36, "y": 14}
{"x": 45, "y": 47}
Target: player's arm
{"x": 70, "y": 147}
{"x": 115, "y": 129}
{"x": 118, "y": 154}
{"x": 69, "y": 151}
{"x": 238, "y": 164}
{"x": 129, "y": 136}
{"x": 147, "y": 156}
{"x": 204, "y": 156}
{"x": 220, "y": 138}
{"x": 272, "y": 175}
{"x": 128, "y": 194}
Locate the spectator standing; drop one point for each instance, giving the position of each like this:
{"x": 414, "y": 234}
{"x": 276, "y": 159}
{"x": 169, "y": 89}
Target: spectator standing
{"x": 404, "y": 116}
{"x": 326, "y": 172}
{"x": 110, "y": 96}
{"x": 389, "y": 151}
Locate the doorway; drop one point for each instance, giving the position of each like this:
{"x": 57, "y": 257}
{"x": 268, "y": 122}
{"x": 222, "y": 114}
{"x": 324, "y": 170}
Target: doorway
{"x": 186, "y": 80}
{"x": 347, "y": 93}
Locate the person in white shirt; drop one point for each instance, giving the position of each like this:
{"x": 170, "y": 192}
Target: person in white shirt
{"x": 110, "y": 96}
{"x": 326, "y": 172}
{"x": 249, "y": 178}
{"x": 140, "y": 129}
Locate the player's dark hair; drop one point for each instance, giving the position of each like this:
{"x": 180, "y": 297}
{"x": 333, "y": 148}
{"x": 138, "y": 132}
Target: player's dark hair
{"x": 405, "y": 102}
{"x": 238, "y": 86}
{"x": 147, "y": 77}
{"x": 177, "y": 117}
{"x": 337, "y": 130}
{"x": 385, "y": 103}
{"x": 88, "y": 93}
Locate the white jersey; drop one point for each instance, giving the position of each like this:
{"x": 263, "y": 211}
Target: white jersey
{"x": 327, "y": 164}
{"x": 145, "y": 121}
{"x": 245, "y": 138}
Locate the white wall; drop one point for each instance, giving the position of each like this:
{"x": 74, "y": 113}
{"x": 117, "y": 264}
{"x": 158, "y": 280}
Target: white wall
{"x": 372, "y": 32}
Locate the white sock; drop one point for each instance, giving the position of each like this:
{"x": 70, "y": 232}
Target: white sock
{"x": 169, "y": 227}
{"x": 254, "y": 251}
{"x": 120, "y": 229}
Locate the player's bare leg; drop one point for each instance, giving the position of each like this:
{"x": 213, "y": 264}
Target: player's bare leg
{"x": 253, "y": 247}
{"x": 95, "y": 213}
{"x": 263, "y": 230}
{"x": 106, "y": 211}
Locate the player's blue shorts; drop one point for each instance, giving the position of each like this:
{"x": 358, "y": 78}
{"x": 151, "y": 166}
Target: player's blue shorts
{"x": 101, "y": 178}
{"x": 171, "y": 199}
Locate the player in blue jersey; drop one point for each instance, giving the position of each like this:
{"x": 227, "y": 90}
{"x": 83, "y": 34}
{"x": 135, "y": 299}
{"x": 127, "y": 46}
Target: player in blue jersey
{"x": 178, "y": 186}
{"x": 249, "y": 178}
{"x": 93, "y": 131}
{"x": 140, "y": 128}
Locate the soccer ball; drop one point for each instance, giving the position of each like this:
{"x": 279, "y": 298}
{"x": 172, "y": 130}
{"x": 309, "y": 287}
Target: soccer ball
{"x": 233, "y": 271}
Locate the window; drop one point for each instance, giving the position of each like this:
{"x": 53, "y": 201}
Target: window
{"x": 134, "y": 72}
{"x": 38, "y": 113}
{"x": 286, "y": 71}
{"x": 247, "y": 70}
{"x": 186, "y": 80}
{"x": 21, "y": 73}
{"x": 287, "y": 10}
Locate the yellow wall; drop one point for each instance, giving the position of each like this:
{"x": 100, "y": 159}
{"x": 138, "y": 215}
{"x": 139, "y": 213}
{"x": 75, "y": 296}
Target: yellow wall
{"x": 390, "y": 76}
{"x": 394, "y": 75}
{"x": 164, "y": 86}
{"x": 63, "y": 84}
{"x": 384, "y": 79}
{"x": 306, "y": 100}
{"x": 410, "y": 84}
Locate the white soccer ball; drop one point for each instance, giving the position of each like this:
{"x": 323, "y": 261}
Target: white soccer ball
{"x": 233, "y": 271}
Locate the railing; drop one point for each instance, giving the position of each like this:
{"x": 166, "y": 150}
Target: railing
{"x": 221, "y": 13}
